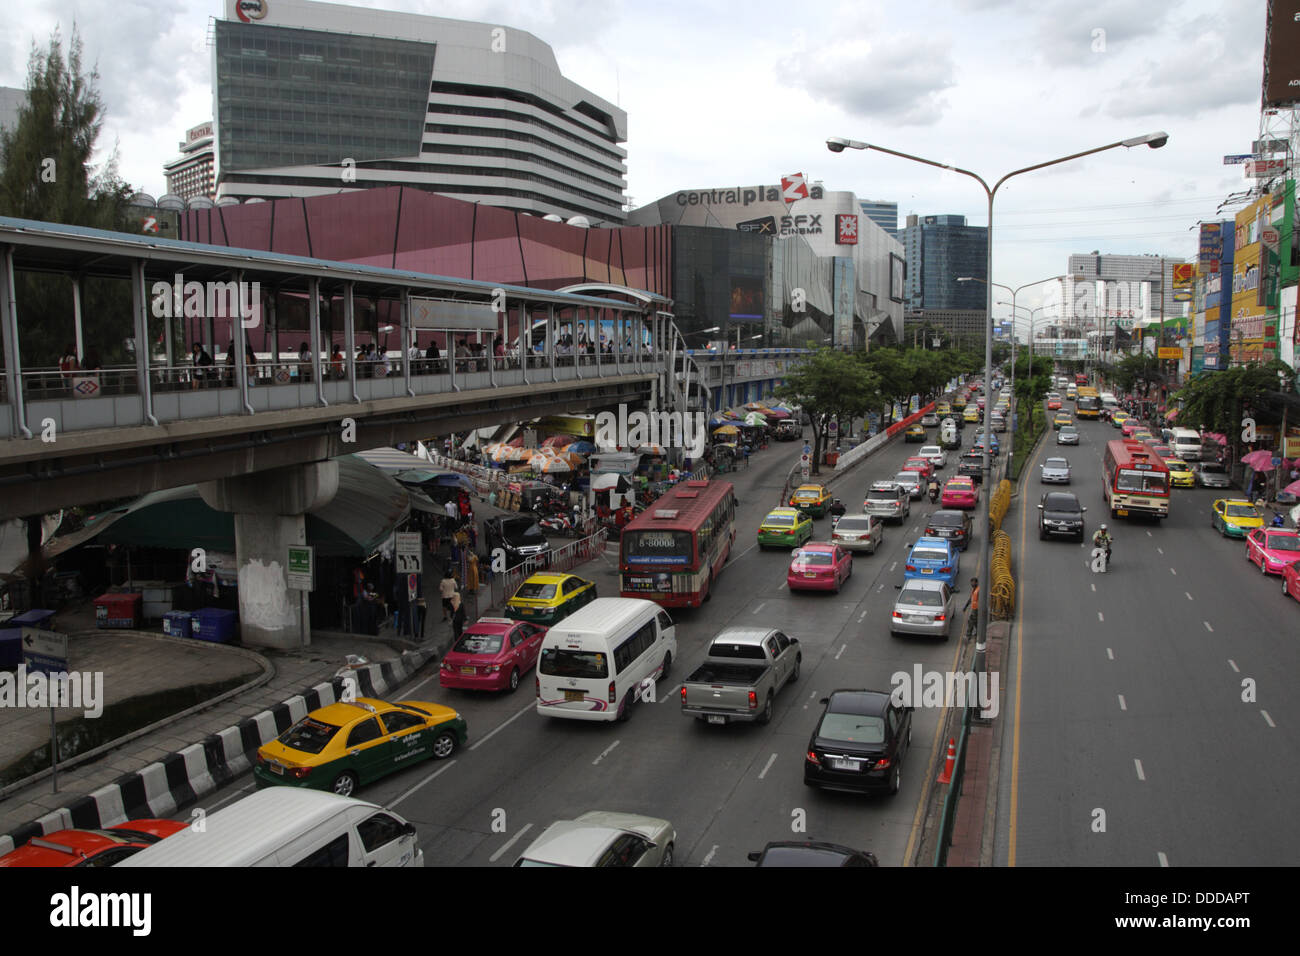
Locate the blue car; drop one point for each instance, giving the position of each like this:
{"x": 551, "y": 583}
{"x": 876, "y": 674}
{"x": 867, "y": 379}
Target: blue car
{"x": 934, "y": 559}
{"x": 994, "y": 446}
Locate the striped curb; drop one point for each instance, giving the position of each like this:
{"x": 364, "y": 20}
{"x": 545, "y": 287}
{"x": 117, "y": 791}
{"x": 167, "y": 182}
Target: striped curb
{"x": 183, "y": 777}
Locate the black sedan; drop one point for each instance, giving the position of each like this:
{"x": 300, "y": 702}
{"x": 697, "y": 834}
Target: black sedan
{"x": 859, "y": 742}
{"x": 971, "y": 465}
{"x": 520, "y": 538}
{"x": 954, "y": 525}
{"x": 1059, "y": 513}
{"x": 811, "y": 853}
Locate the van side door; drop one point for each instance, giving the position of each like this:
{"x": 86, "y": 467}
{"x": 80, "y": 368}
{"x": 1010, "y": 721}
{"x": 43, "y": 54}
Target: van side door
{"x": 386, "y": 841}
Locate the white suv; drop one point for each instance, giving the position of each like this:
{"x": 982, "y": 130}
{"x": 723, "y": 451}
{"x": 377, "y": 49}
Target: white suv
{"x": 938, "y": 457}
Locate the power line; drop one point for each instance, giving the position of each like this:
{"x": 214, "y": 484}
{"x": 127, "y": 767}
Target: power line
{"x": 1122, "y": 205}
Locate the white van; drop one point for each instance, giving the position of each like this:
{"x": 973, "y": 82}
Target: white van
{"x": 286, "y": 826}
{"x": 1186, "y": 443}
{"x": 593, "y": 662}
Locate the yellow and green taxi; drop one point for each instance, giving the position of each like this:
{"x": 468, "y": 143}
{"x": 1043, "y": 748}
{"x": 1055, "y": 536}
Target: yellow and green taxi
{"x": 1180, "y": 473}
{"x": 942, "y": 409}
{"x": 1062, "y": 418}
{"x": 958, "y": 405}
{"x": 1117, "y": 419}
{"x": 971, "y": 414}
{"x": 351, "y": 743}
{"x": 811, "y": 499}
{"x": 550, "y": 596}
{"x": 914, "y": 433}
{"x": 1143, "y": 434}
{"x": 1235, "y": 517}
{"x": 785, "y": 528}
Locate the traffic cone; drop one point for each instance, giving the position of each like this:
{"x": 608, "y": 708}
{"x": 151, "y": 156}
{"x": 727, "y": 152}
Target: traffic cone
{"x": 946, "y": 776}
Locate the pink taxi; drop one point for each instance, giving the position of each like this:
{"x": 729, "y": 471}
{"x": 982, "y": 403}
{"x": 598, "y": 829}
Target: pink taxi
{"x": 492, "y": 654}
{"x": 818, "y": 566}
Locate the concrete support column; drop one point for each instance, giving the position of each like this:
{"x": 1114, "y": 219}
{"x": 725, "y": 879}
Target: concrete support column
{"x": 270, "y": 514}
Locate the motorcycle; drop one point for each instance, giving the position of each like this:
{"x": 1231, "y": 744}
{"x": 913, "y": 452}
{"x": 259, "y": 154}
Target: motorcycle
{"x": 934, "y": 493}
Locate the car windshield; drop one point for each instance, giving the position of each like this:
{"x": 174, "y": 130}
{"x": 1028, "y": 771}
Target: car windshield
{"x": 1061, "y": 503}
{"x": 853, "y": 524}
{"x": 561, "y": 662}
{"x": 520, "y": 532}
{"x": 657, "y": 547}
{"x": 1056, "y": 463}
{"x": 907, "y": 477}
{"x": 479, "y": 644}
{"x": 857, "y": 728}
{"x": 1212, "y": 468}
{"x": 535, "y": 591}
{"x": 946, "y": 519}
{"x": 779, "y": 521}
{"x": 934, "y": 450}
{"x": 1283, "y": 542}
{"x": 308, "y": 735}
{"x": 929, "y": 555}
{"x": 1242, "y": 511}
{"x": 1143, "y": 482}
{"x": 813, "y": 557}
{"x": 918, "y": 597}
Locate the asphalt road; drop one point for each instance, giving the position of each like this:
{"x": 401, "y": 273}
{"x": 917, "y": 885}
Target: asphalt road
{"x": 727, "y": 790}
{"x": 1130, "y": 743}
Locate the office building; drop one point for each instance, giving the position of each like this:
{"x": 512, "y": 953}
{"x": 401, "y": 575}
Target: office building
{"x": 317, "y": 98}
{"x": 883, "y": 213}
{"x": 193, "y": 173}
{"x": 939, "y": 250}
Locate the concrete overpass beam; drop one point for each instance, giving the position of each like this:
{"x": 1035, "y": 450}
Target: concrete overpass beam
{"x": 270, "y": 515}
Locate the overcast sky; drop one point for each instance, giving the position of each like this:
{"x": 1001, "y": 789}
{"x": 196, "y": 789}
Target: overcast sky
{"x": 738, "y": 93}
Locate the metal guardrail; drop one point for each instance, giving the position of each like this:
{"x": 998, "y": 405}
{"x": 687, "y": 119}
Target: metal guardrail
{"x": 948, "y": 818}
{"x": 1003, "y": 587}
{"x": 504, "y": 584}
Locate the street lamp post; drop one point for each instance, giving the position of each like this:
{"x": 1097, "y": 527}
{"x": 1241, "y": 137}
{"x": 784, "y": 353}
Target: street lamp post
{"x": 838, "y": 145}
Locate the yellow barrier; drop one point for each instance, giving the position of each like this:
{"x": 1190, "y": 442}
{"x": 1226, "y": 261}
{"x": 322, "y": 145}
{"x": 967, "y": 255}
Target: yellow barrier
{"x": 1003, "y": 586}
{"x": 999, "y": 503}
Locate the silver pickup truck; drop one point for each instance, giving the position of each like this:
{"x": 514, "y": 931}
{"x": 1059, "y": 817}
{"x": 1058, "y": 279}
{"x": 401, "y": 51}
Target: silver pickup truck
{"x": 745, "y": 668}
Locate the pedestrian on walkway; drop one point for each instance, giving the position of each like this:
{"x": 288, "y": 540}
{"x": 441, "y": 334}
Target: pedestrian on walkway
{"x": 973, "y": 602}
{"x": 447, "y": 590}
{"x": 457, "y": 618}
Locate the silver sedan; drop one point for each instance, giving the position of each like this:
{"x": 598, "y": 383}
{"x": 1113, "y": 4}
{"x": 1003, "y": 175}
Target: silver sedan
{"x": 1056, "y": 471}
{"x": 923, "y": 607}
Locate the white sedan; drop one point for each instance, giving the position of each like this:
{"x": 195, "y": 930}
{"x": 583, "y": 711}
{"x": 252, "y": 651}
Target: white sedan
{"x": 938, "y": 457}
{"x": 600, "y": 838}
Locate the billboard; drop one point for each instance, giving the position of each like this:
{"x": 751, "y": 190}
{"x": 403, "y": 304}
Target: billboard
{"x": 897, "y": 277}
{"x": 746, "y": 299}
{"x": 1282, "y": 53}
{"x": 846, "y": 229}
{"x": 1211, "y": 250}
{"x": 1184, "y": 276}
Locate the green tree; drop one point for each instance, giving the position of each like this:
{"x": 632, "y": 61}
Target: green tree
{"x": 46, "y": 174}
{"x": 1143, "y": 369}
{"x": 1222, "y": 401}
{"x": 829, "y": 385}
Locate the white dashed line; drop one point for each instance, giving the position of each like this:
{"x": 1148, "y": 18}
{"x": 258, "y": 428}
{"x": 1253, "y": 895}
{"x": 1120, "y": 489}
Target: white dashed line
{"x": 1189, "y": 595}
{"x": 708, "y": 857}
{"x": 1233, "y": 665}
{"x": 1267, "y": 719}
{"x": 767, "y": 766}
{"x": 509, "y": 843}
{"x": 1110, "y": 655}
{"x": 1207, "y": 626}
{"x": 605, "y": 753}
{"x": 491, "y": 733}
{"x": 1160, "y": 550}
{"x": 1172, "y": 571}
{"x": 1122, "y": 704}
{"x": 892, "y": 566}
{"x": 1148, "y": 534}
{"x": 1138, "y": 763}
{"x": 1164, "y": 860}
{"x": 441, "y": 770}
{"x": 671, "y": 696}
{"x": 760, "y": 607}
{"x": 1094, "y": 586}
{"x": 812, "y": 696}
{"x": 863, "y": 615}
{"x": 840, "y": 651}
{"x": 1100, "y": 617}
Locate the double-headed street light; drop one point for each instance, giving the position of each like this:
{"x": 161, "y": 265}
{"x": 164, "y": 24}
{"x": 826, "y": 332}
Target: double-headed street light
{"x": 838, "y": 145}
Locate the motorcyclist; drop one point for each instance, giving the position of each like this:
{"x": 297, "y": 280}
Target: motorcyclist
{"x": 1101, "y": 539}
{"x": 934, "y": 490}
{"x": 836, "y": 510}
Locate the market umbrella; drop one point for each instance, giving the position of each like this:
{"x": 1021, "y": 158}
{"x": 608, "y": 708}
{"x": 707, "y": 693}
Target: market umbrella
{"x": 719, "y": 420}
{"x": 1260, "y": 460}
{"x": 610, "y": 479}
{"x": 778, "y": 413}
{"x": 550, "y": 465}
{"x": 558, "y": 441}
{"x": 727, "y": 430}
{"x": 1293, "y": 488}
{"x": 754, "y": 418}
{"x": 580, "y": 447}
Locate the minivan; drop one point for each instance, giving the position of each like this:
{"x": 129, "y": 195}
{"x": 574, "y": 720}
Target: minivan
{"x": 286, "y": 826}
{"x": 1186, "y": 443}
{"x": 594, "y": 662}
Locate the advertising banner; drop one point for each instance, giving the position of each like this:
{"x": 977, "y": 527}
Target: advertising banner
{"x": 1211, "y": 249}
{"x": 846, "y": 229}
{"x": 1282, "y": 53}
{"x": 1169, "y": 352}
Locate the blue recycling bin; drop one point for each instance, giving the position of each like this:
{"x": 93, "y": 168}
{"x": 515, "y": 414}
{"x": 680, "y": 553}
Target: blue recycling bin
{"x": 214, "y": 624}
{"x": 177, "y": 624}
{"x": 37, "y": 617}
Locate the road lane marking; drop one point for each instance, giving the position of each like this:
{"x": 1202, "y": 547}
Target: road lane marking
{"x": 1207, "y": 626}
{"x": 1172, "y": 571}
{"x": 1164, "y": 860}
{"x": 441, "y": 770}
{"x": 863, "y": 615}
{"x": 409, "y": 693}
{"x": 482, "y": 740}
{"x": 671, "y": 695}
{"x": 1189, "y": 595}
{"x": 1110, "y": 655}
{"x": 605, "y": 753}
{"x": 1233, "y": 665}
{"x": 1141, "y": 775}
{"x": 708, "y": 857}
{"x": 881, "y": 588}
{"x": 509, "y": 843}
{"x": 1100, "y": 617}
{"x": 1148, "y": 534}
{"x": 1122, "y": 704}
{"x": 812, "y": 696}
{"x": 768, "y": 766}
{"x": 227, "y": 799}
{"x": 840, "y": 651}
{"x": 1094, "y": 586}
{"x": 1160, "y": 550}
{"x": 892, "y": 566}
{"x": 760, "y": 607}
{"x": 1268, "y": 719}
{"x": 737, "y": 557}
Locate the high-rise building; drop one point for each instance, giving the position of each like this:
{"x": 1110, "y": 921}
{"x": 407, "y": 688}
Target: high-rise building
{"x": 1126, "y": 290}
{"x": 883, "y": 213}
{"x": 315, "y": 98}
{"x": 193, "y": 173}
{"x": 11, "y": 102}
{"x": 941, "y": 249}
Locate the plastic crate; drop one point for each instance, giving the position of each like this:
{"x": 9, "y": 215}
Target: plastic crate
{"x": 177, "y": 624}
{"x": 118, "y": 610}
{"x": 214, "y": 624}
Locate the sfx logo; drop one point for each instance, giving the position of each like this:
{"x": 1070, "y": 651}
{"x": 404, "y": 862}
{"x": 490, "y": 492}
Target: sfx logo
{"x": 250, "y": 10}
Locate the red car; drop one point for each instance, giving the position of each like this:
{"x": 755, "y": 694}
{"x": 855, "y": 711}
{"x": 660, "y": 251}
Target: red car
{"x": 1291, "y": 580}
{"x": 1272, "y": 549}
{"x": 92, "y": 847}
{"x": 819, "y": 567}
{"x": 1054, "y": 405}
{"x": 492, "y": 654}
{"x": 1130, "y": 426}
{"x": 924, "y": 465}
{"x": 959, "y": 493}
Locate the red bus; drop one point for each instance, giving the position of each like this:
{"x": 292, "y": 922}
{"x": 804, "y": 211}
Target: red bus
{"x": 672, "y": 552}
{"x": 1135, "y": 479}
